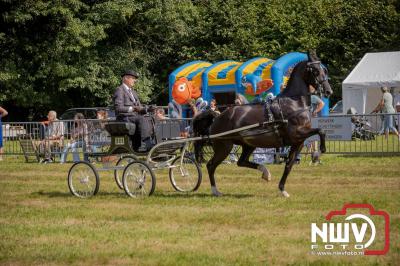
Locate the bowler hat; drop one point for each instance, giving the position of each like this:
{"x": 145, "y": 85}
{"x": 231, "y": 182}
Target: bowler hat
{"x": 130, "y": 73}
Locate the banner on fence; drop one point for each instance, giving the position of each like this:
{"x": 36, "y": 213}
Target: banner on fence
{"x": 335, "y": 127}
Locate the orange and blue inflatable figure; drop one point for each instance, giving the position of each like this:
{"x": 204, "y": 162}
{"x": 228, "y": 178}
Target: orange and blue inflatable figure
{"x": 254, "y": 85}
{"x": 183, "y": 90}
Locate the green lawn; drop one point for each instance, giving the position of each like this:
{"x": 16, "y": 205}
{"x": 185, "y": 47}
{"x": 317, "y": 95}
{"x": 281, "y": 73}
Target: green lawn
{"x": 41, "y": 223}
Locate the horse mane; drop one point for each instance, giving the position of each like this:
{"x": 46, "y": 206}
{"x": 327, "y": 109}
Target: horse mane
{"x": 296, "y": 85}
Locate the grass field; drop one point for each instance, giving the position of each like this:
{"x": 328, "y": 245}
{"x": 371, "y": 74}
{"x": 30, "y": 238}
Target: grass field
{"x": 41, "y": 223}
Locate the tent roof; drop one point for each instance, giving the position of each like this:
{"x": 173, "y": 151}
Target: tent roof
{"x": 375, "y": 70}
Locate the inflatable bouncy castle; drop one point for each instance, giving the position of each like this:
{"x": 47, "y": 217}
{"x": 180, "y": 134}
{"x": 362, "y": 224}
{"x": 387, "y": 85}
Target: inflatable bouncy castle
{"x": 254, "y": 79}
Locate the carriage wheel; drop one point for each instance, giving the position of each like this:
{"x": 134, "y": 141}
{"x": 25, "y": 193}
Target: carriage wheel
{"x": 83, "y": 180}
{"x": 122, "y": 163}
{"x": 138, "y": 180}
{"x": 185, "y": 176}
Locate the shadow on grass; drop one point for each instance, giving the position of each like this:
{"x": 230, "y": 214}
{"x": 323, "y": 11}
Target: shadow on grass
{"x": 60, "y": 194}
{"x": 161, "y": 195}
{"x": 176, "y": 195}
{"x": 51, "y": 194}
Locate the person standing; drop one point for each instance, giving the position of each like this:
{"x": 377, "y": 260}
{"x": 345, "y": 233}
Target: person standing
{"x": 214, "y": 107}
{"x": 174, "y": 110}
{"x": 315, "y": 108}
{"x": 79, "y": 135}
{"x": 397, "y": 107}
{"x": 386, "y": 106}
{"x": 3, "y": 113}
{"x": 128, "y": 107}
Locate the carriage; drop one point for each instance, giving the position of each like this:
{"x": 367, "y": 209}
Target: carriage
{"x": 284, "y": 122}
{"x": 133, "y": 170}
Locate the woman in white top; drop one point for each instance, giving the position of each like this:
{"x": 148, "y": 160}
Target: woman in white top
{"x": 385, "y": 105}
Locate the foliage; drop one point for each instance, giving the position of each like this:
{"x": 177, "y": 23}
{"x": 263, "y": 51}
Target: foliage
{"x": 59, "y": 54}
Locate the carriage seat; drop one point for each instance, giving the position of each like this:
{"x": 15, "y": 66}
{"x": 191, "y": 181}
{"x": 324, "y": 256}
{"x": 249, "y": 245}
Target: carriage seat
{"x": 120, "y": 128}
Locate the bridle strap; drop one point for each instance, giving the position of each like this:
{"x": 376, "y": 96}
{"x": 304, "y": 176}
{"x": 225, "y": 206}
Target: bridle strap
{"x": 316, "y": 80}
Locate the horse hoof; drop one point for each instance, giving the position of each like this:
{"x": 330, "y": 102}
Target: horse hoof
{"x": 215, "y": 192}
{"x": 322, "y": 149}
{"x": 267, "y": 177}
{"x": 285, "y": 194}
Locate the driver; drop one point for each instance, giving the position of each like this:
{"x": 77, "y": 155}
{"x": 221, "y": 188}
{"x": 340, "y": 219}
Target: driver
{"x": 129, "y": 109}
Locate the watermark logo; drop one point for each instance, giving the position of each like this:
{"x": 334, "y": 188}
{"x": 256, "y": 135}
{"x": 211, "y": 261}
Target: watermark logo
{"x": 353, "y": 232}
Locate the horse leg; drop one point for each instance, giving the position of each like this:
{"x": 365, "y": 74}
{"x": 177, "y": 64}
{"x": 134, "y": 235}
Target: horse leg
{"x": 244, "y": 162}
{"x": 322, "y": 146}
{"x": 288, "y": 168}
{"x": 306, "y": 133}
{"x": 221, "y": 150}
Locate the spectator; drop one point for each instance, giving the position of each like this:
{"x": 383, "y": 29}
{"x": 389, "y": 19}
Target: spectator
{"x": 397, "y": 106}
{"x": 240, "y": 99}
{"x": 54, "y": 138}
{"x": 79, "y": 139}
{"x": 99, "y": 137}
{"x": 214, "y": 107}
{"x": 128, "y": 108}
{"x": 186, "y": 129}
{"x": 385, "y": 105}
{"x": 382, "y": 128}
{"x": 174, "y": 110}
{"x": 3, "y": 113}
{"x": 192, "y": 106}
{"x": 160, "y": 114}
{"x": 316, "y": 106}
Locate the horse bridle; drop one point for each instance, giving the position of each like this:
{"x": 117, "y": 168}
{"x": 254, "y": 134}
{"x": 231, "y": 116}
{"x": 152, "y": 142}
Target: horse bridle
{"x": 317, "y": 80}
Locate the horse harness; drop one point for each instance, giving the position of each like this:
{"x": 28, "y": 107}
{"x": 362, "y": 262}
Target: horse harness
{"x": 274, "y": 118}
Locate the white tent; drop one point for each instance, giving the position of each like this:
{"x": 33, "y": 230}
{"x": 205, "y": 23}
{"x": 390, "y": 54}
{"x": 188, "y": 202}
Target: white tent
{"x": 361, "y": 89}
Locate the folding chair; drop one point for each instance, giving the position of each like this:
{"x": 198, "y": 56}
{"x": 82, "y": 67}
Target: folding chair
{"x": 28, "y": 147}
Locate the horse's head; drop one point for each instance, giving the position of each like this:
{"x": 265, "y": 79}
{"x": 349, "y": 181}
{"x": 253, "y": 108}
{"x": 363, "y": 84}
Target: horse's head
{"x": 317, "y": 75}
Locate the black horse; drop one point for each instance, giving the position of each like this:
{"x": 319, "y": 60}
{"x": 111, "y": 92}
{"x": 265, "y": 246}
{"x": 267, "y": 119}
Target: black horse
{"x": 289, "y": 123}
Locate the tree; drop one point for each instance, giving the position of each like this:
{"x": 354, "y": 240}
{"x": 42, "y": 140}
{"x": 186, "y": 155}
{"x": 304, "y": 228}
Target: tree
{"x": 59, "y": 54}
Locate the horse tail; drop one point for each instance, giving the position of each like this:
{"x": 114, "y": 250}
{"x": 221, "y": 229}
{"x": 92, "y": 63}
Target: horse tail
{"x": 201, "y": 127}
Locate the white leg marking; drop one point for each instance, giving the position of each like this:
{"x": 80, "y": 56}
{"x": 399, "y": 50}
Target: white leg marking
{"x": 266, "y": 174}
{"x": 285, "y": 194}
{"x": 215, "y": 191}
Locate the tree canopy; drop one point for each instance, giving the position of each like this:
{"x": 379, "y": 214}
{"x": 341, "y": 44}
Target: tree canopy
{"x": 60, "y": 54}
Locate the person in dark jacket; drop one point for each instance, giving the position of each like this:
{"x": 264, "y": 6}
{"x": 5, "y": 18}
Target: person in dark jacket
{"x": 128, "y": 107}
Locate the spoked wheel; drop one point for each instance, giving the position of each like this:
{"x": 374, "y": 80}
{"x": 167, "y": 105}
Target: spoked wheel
{"x": 83, "y": 180}
{"x": 138, "y": 180}
{"x": 185, "y": 176}
{"x": 121, "y": 164}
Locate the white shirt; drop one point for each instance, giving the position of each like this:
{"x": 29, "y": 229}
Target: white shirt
{"x": 129, "y": 91}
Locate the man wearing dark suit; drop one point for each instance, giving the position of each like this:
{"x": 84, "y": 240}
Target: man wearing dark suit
{"x": 129, "y": 109}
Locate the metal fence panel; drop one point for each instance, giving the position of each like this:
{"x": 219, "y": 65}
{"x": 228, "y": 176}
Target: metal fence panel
{"x": 39, "y": 141}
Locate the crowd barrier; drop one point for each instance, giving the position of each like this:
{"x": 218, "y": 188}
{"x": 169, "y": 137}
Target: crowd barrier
{"x": 69, "y": 140}
{"x": 346, "y": 134}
